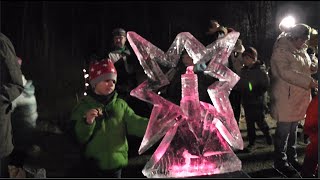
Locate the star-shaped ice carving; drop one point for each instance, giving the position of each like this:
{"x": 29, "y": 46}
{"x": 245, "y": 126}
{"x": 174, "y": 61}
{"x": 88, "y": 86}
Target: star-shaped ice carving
{"x": 197, "y": 135}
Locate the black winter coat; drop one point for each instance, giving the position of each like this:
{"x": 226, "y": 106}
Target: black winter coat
{"x": 253, "y": 83}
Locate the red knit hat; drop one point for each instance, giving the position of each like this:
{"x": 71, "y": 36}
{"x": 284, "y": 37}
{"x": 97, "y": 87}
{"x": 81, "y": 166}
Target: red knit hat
{"x": 102, "y": 70}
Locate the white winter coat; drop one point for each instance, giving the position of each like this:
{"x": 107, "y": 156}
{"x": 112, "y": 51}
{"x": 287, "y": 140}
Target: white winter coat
{"x": 291, "y": 76}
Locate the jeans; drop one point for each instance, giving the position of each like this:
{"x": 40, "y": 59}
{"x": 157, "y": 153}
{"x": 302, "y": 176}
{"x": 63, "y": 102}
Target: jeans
{"x": 285, "y": 142}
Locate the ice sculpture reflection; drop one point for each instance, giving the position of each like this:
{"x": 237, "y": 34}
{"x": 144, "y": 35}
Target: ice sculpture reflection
{"x": 197, "y": 136}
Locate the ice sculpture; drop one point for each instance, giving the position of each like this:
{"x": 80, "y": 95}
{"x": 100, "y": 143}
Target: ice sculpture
{"x": 197, "y": 136}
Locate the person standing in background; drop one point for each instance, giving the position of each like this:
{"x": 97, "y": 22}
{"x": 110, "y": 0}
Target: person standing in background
{"x": 291, "y": 85}
{"x": 130, "y": 73}
{"x": 11, "y": 87}
{"x": 24, "y": 121}
{"x": 235, "y": 63}
{"x": 253, "y": 84}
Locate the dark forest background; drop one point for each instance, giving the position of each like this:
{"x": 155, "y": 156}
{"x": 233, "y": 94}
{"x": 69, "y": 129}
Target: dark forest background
{"x": 54, "y": 39}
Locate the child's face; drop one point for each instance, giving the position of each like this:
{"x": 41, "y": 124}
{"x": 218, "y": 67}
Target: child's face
{"x": 247, "y": 60}
{"x": 105, "y": 87}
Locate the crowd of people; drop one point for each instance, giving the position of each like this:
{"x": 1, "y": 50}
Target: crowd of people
{"x": 108, "y": 114}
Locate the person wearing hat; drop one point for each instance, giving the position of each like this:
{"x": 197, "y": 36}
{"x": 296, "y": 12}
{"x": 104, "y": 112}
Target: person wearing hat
{"x": 215, "y": 31}
{"x": 253, "y": 84}
{"x": 235, "y": 64}
{"x": 130, "y": 72}
{"x": 291, "y": 85}
{"x": 11, "y": 87}
{"x": 103, "y": 121}
{"x": 121, "y": 56}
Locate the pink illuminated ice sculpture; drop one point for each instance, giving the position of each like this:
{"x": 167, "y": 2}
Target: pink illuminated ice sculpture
{"x": 197, "y": 136}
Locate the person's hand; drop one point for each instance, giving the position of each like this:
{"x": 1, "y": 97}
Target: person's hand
{"x": 313, "y": 84}
{"x": 92, "y": 114}
{"x": 313, "y": 67}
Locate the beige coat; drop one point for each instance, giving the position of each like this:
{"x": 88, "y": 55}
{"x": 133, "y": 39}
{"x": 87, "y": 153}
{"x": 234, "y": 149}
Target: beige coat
{"x": 291, "y": 76}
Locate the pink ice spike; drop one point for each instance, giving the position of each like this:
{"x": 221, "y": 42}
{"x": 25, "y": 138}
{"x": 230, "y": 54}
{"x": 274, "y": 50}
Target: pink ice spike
{"x": 197, "y": 136}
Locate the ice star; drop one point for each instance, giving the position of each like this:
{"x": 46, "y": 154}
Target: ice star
{"x": 194, "y": 130}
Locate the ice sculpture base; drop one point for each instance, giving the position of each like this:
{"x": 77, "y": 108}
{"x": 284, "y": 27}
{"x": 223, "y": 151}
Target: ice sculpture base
{"x": 196, "y": 170}
{"x": 235, "y": 174}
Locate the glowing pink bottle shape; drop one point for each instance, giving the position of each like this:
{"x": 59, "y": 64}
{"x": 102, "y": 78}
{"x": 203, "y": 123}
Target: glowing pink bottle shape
{"x": 190, "y": 103}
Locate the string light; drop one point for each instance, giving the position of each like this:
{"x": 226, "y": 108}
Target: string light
{"x": 86, "y": 79}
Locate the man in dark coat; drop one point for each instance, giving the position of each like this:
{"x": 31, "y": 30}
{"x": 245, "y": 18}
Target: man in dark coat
{"x": 130, "y": 73}
{"x": 11, "y": 87}
{"x": 125, "y": 62}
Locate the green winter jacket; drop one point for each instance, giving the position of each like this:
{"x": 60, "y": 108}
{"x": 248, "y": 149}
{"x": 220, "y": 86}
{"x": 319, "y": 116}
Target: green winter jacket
{"x": 105, "y": 140}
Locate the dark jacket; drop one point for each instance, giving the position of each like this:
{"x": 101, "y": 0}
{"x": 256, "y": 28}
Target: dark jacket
{"x": 128, "y": 69}
{"x": 253, "y": 83}
{"x": 11, "y": 87}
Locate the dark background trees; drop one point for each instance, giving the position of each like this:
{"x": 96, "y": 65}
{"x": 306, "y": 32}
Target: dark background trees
{"x": 54, "y": 39}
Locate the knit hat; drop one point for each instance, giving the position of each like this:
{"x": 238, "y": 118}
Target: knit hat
{"x": 222, "y": 29}
{"x": 102, "y": 70}
{"x": 300, "y": 31}
{"x": 238, "y": 47}
{"x": 251, "y": 52}
{"x": 119, "y": 32}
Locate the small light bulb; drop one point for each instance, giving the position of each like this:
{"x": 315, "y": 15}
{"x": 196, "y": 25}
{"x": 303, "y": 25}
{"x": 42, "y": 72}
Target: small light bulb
{"x": 85, "y": 93}
{"x": 86, "y": 84}
{"x": 84, "y": 70}
{"x": 86, "y": 75}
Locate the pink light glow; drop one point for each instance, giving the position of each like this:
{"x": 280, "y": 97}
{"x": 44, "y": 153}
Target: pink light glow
{"x": 197, "y": 135}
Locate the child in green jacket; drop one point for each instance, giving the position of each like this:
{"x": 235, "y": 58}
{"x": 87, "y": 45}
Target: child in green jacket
{"x": 102, "y": 121}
